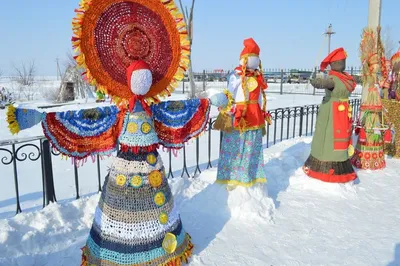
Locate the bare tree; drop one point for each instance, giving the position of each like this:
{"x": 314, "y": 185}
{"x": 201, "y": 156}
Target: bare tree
{"x": 25, "y": 78}
{"x": 388, "y": 42}
{"x": 188, "y": 17}
{"x": 25, "y": 73}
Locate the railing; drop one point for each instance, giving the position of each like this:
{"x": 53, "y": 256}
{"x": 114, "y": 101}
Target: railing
{"x": 287, "y": 123}
{"x": 282, "y": 81}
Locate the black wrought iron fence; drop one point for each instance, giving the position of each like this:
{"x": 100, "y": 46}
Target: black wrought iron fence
{"x": 282, "y": 81}
{"x": 287, "y": 123}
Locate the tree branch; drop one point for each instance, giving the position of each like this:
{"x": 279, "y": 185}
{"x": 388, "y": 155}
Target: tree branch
{"x": 25, "y": 75}
{"x": 183, "y": 11}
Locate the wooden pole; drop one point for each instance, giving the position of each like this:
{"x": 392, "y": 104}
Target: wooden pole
{"x": 374, "y": 21}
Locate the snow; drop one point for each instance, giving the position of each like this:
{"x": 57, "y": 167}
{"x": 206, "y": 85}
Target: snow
{"x": 302, "y": 222}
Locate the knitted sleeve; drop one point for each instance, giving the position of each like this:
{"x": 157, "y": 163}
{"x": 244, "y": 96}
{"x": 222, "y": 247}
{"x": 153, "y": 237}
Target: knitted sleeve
{"x": 83, "y": 133}
{"x": 176, "y": 122}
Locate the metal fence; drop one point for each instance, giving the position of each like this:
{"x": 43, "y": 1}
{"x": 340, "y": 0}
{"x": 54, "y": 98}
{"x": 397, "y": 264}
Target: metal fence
{"x": 287, "y": 123}
{"x": 282, "y": 81}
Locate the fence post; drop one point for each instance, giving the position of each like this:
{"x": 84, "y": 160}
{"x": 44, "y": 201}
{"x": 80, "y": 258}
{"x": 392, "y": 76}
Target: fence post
{"x": 48, "y": 173}
{"x": 301, "y": 121}
{"x": 16, "y": 178}
{"x": 281, "y": 89}
{"x": 98, "y": 172}
{"x": 315, "y": 71}
{"x": 76, "y": 180}
{"x": 351, "y": 71}
{"x": 204, "y": 80}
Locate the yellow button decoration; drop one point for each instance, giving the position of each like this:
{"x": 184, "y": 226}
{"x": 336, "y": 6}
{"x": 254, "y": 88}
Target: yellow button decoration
{"x": 159, "y": 199}
{"x": 341, "y": 108}
{"x": 146, "y": 128}
{"x": 163, "y": 218}
{"x": 136, "y": 181}
{"x": 251, "y": 84}
{"x": 151, "y": 159}
{"x": 155, "y": 179}
{"x": 169, "y": 243}
{"x": 132, "y": 127}
{"x": 350, "y": 108}
{"x": 120, "y": 180}
{"x": 350, "y": 150}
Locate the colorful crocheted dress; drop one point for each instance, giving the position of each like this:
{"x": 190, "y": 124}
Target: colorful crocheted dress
{"x": 136, "y": 221}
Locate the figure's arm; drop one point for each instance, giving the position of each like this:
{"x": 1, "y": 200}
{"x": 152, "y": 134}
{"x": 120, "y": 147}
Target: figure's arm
{"x": 84, "y": 133}
{"x": 176, "y": 122}
{"x": 225, "y": 99}
{"x": 320, "y": 83}
{"x": 76, "y": 134}
{"x": 20, "y": 118}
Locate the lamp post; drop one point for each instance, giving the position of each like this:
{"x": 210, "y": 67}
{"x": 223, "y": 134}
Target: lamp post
{"x": 329, "y": 33}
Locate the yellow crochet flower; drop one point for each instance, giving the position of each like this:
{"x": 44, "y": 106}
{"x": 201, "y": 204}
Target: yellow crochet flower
{"x": 151, "y": 159}
{"x": 132, "y": 127}
{"x": 163, "y": 218}
{"x": 155, "y": 179}
{"x": 159, "y": 199}
{"x": 120, "y": 180}
{"x": 169, "y": 244}
{"x": 136, "y": 181}
{"x": 146, "y": 128}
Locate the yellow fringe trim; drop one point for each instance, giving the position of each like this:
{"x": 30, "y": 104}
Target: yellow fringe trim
{"x": 238, "y": 183}
{"x": 12, "y": 120}
{"x": 229, "y": 96}
{"x": 249, "y": 128}
{"x": 184, "y": 60}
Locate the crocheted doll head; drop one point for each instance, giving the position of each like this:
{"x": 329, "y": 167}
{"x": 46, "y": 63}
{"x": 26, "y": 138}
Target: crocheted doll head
{"x": 339, "y": 65}
{"x": 253, "y": 62}
{"x": 250, "y": 54}
{"x": 139, "y": 77}
{"x": 337, "y": 60}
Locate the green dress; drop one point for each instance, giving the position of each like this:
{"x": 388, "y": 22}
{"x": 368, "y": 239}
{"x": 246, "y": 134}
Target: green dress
{"x": 329, "y": 159}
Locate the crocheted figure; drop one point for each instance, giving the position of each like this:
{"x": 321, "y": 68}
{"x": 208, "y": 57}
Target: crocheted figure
{"x": 136, "y": 221}
{"x": 241, "y": 159}
{"x": 329, "y": 158}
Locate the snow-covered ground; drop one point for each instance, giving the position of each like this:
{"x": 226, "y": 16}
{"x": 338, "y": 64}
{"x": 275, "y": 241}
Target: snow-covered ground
{"x": 302, "y": 221}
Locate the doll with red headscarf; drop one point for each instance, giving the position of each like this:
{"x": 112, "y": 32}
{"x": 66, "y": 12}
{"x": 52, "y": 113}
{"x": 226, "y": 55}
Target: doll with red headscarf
{"x": 242, "y": 120}
{"x": 329, "y": 159}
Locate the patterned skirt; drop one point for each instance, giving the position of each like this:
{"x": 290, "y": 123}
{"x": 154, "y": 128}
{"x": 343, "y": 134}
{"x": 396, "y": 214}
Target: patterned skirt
{"x": 136, "y": 221}
{"x": 241, "y": 160}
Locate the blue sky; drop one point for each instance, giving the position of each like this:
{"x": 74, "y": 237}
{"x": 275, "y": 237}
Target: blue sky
{"x": 289, "y": 32}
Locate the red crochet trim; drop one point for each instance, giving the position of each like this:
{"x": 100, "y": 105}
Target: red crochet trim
{"x": 330, "y": 178}
{"x": 137, "y": 149}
